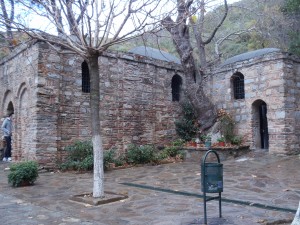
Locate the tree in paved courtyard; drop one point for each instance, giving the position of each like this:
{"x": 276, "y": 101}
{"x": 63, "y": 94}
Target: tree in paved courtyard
{"x": 88, "y": 28}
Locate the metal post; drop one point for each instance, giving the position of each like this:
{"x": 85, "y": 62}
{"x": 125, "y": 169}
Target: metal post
{"x": 204, "y": 200}
{"x": 204, "y": 184}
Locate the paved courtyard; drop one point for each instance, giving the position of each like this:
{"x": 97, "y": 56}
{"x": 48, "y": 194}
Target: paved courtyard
{"x": 258, "y": 189}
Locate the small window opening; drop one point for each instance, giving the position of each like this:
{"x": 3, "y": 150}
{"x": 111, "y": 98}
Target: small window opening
{"x": 85, "y": 77}
{"x": 176, "y": 88}
{"x": 238, "y": 86}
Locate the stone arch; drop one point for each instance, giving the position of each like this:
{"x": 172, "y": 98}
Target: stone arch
{"x": 24, "y": 150}
{"x": 238, "y": 86}
{"x": 176, "y": 88}
{"x": 260, "y": 131}
{"x": 7, "y": 103}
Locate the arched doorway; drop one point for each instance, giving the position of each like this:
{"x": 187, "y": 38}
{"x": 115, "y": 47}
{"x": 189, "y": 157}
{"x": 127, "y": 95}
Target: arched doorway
{"x": 260, "y": 125}
{"x": 10, "y": 108}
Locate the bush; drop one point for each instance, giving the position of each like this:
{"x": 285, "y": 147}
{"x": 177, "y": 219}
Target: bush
{"x": 111, "y": 157}
{"x": 226, "y": 125}
{"x": 140, "y": 154}
{"x": 237, "y": 140}
{"x": 186, "y": 127}
{"x": 171, "y": 151}
{"x": 178, "y": 142}
{"x": 80, "y": 156}
{"x": 23, "y": 173}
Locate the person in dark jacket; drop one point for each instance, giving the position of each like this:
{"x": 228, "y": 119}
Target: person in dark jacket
{"x": 7, "y": 132}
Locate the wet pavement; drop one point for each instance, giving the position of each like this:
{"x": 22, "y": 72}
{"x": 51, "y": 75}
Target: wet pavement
{"x": 258, "y": 189}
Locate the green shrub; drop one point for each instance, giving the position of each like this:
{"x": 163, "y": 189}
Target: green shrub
{"x": 80, "y": 156}
{"x": 23, "y": 173}
{"x": 159, "y": 156}
{"x": 171, "y": 151}
{"x": 227, "y": 127}
{"x": 178, "y": 142}
{"x": 111, "y": 157}
{"x": 186, "y": 127}
{"x": 236, "y": 140}
{"x": 140, "y": 154}
{"x": 108, "y": 157}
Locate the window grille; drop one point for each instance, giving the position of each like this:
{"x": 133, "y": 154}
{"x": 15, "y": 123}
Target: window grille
{"x": 85, "y": 78}
{"x": 238, "y": 86}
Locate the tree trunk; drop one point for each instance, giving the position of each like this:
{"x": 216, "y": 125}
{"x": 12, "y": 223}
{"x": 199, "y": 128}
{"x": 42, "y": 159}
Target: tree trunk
{"x": 194, "y": 76}
{"x": 98, "y": 187}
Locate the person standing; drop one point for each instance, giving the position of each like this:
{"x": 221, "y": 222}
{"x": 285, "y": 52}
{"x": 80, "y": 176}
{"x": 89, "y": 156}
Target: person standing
{"x": 7, "y": 131}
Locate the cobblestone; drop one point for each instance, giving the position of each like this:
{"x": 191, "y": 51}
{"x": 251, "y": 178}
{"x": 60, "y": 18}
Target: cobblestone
{"x": 160, "y": 195}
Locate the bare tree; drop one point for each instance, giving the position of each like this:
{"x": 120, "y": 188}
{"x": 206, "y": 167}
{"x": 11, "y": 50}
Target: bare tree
{"x": 8, "y": 13}
{"x": 179, "y": 29}
{"x": 230, "y": 36}
{"x": 88, "y": 28}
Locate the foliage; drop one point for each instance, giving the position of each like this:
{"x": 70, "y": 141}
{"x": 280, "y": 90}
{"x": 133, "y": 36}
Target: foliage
{"x": 179, "y": 142}
{"x": 140, "y": 154}
{"x": 236, "y": 140}
{"x": 205, "y": 138}
{"x": 295, "y": 43}
{"x": 226, "y": 125}
{"x": 80, "y": 156}
{"x": 23, "y": 172}
{"x": 110, "y": 156}
{"x": 291, "y": 6}
{"x": 171, "y": 151}
{"x": 186, "y": 126}
{"x": 221, "y": 139}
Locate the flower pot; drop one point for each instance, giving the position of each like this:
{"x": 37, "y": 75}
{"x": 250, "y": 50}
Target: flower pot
{"x": 193, "y": 144}
{"x": 222, "y": 143}
{"x": 207, "y": 144}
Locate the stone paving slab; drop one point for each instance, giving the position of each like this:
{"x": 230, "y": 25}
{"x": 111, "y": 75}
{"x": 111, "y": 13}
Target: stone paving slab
{"x": 264, "y": 179}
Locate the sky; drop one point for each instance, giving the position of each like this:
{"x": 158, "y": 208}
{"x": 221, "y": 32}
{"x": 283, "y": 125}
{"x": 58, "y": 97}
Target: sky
{"x": 41, "y": 24}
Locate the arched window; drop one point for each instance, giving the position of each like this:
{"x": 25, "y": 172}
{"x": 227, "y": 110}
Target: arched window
{"x": 85, "y": 77}
{"x": 176, "y": 88}
{"x": 238, "y": 85}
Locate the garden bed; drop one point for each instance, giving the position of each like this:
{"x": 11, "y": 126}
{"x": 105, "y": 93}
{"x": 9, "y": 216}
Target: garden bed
{"x": 192, "y": 154}
{"x": 87, "y": 198}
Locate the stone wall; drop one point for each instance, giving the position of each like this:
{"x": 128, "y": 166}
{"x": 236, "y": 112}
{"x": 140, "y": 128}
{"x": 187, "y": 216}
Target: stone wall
{"x": 135, "y": 101}
{"x": 44, "y": 89}
{"x": 18, "y": 75}
{"x": 273, "y": 79}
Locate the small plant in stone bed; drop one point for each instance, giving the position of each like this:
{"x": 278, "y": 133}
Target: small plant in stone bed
{"x": 23, "y": 173}
{"x": 80, "y": 156}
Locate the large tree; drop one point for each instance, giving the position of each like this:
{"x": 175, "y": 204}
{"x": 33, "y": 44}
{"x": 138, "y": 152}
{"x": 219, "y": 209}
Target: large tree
{"x": 8, "y": 14}
{"x": 191, "y": 14}
{"x": 88, "y": 28}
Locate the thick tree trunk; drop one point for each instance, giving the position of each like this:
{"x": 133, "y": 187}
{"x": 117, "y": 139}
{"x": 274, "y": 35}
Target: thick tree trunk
{"x": 98, "y": 188}
{"x": 194, "y": 77}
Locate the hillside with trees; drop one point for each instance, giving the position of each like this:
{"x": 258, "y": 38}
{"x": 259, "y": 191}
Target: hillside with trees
{"x": 249, "y": 25}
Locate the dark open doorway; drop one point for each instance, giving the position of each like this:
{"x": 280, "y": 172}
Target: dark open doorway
{"x": 264, "y": 134}
{"x": 260, "y": 125}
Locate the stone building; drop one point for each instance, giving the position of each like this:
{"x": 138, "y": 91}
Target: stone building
{"x": 261, "y": 90}
{"x": 49, "y": 95}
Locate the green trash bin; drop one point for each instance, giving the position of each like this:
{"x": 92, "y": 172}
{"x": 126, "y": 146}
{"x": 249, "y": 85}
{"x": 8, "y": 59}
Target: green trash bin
{"x": 211, "y": 181}
{"x": 212, "y": 177}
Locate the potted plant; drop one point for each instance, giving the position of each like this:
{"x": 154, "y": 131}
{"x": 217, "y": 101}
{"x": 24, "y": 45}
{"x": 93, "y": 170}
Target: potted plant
{"x": 221, "y": 141}
{"x": 193, "y": 143}
{"x": 23, "y": 173}
{"x": 207, "y": 142}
